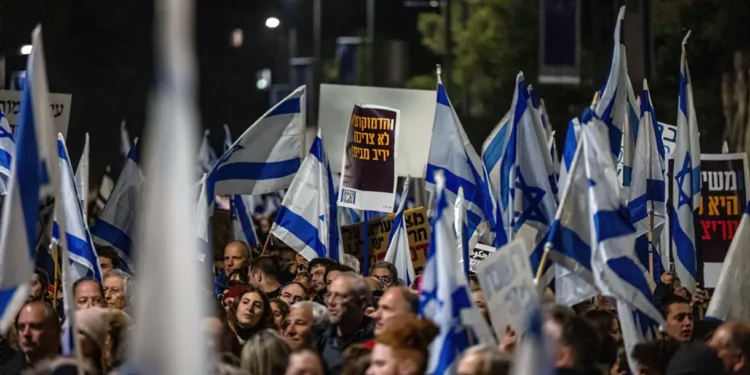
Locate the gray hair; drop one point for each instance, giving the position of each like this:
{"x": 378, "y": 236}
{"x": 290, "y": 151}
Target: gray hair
{"x": 493, "y": 361}
{"x": 265, "y": 352}
{"x": 127, "y": 281}
{"x": 319, "y": 312}
{"x": 390, "y": 267}
{"x": 359, "y": 287}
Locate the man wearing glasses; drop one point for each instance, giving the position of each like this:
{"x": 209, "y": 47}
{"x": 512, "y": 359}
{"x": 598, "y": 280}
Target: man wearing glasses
{"x": 386, "y": 272}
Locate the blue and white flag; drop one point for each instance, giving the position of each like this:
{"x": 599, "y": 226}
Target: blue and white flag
{"x": 242, "y": 220}
{"x": 33, "y": 181}
{"x": 647, "y": 188}
{"x": 266, "y": 157}
{"x": 105, "y": 189}
{"x": 398, "y": 252}
{"x": 80, "y": 248}
{"x": 82, "y": 177}
{"x": 445, "y": 293}
{"x": 569, "y": 151}
{"x": 116, "y": 223}
{"x": 452, "y": 153}
{"x": 125, "y": 144}
{"x": 227, "y": 138}
{"x": 617, "y": 272}
{"x": 543, "y": 137}
{"x": 307, "y": 218}
{"x": 686, "y": 186}
{"x": 728, "y": 301}
{"x": 535, "y": 354}
{"x": 206, "y": 155}
{"x": 461, "y": 226}
{"x": 617, "y": 105}
{"x": 7, "y": 150}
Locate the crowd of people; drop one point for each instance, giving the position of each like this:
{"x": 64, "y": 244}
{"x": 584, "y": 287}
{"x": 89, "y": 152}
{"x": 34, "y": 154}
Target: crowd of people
{"x": 278, "y": 313}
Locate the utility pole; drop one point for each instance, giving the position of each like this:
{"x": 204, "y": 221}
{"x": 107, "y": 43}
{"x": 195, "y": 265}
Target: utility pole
{"x": 448, "y": 57}
{"x": 371, "y": 38}
{"x": 317, "y": 63}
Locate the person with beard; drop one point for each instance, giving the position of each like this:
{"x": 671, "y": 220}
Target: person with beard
{"x": 318, "y": 269}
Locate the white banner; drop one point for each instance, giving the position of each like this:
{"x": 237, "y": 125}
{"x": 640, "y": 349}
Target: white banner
{"x": 10, "y": 104}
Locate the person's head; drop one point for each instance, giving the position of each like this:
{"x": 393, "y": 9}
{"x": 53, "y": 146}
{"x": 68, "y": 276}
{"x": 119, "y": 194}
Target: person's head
{"x": 239, "y": 275}
{"x": 474, "y": 282}
{"x": 264, "y": 270}
{"x": 280, "y": 311}
{"x": 119, "y": 289}
{"x": 287, "y": 257}
{"x": 374, "y": 283}
{"x": 303, "y": 317}
{"x": 483, "y": 360}
{"x": 477, "y": 296}
{"x": 695, "y": 358}
{"x": 293, "y": 292}
{"x": 108, "y": 258}
{"x": 576, "y": 341}
{"x": 386, "y": 272}
{"x": 605, "y": 323}
{"x": 403, "y": 347}
{"x": 679, "y": 317}
{"x": 93, "y": 328}
{"x": 332, "y": 273}
{"x": 304, "y": 362}
{"x": 356, "y": 360}
{"x": 264, "y": 224}
{"x": 236, "y": 255}
{"x": 395, "y": 301}
{"x": 652, "y": 357}
{"x": 264, "y": 353}
{"x": 318, "y": 268}
{"x": 348, "y": 296}
{"x": 303, "y": 265}
{"x": 88, "y": 293}
{"x": 39, "y": 284}
{"x": 231, "y": 295}
{"x": 253, "y": 310}
{"x": 38, "y": 331}
{"x": 303, "y": 278}
{"x": 732, "y": 344}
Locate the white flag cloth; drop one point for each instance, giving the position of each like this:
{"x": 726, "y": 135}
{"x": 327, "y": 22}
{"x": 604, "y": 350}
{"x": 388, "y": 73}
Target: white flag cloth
{"x": 493, "y": 149}
{"x": 227, "y": 138}
{"x": 534, "y": 355}
{"x": 7, "y": 150}
{"x": 82, "y": 177}
{"x": 206, "y": 154}
{"x": 116, "y": 223}
{"x": 647, "y": 186}
{"x": 729, "y": 301}
{"x": 307, "y": 218}
{"x": 452, "y": 153}
{"x": 125, "y": 144}
{"x": 569, "y": 150}
{"x": 79, "y": 247}
{"x": 615, "y": 267}
{"x": 266, "y": 157}
{"x": 686, "y": 186}
{"x": 242, "y": 220}
{"x": 105, "y": 189}
{"x": 33, "y": 180}
{"x": 398, "y": 252}
{"x": 445, "y": 293}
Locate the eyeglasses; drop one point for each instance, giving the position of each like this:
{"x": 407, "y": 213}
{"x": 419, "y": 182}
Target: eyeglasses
{"x": 385, "y": 280}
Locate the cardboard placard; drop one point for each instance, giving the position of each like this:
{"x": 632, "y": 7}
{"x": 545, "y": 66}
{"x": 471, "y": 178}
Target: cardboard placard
{"x": 10, "y": 104}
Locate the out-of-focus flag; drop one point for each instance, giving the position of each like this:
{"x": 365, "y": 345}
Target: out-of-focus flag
{"x": 242, "y": 220}
{"x": 307, "y": 218}
{"x": 266, "y": 157}
{"x": 206, "y": 155}
{"x": 82, "y": 177}
{"x": 227, "y": 138}
{"x": 729, "y": 302}
{"x": 462, "y": 230}
{"x": 33, "y": 180}
{"x": 105, "y": 189}
{"x": 125, "y": 144}
{"x": 398, "y": 252}
{"x": 686, "y": 186}
{"x": 116, "y": 223}
{"x": 7, "y": 150}
{"x": 534, "y": 355}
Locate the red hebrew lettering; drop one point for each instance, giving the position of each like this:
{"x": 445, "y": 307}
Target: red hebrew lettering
{"x": 706, "y": 225}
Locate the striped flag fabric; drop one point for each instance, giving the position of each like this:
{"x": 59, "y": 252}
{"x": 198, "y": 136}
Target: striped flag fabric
{"x": 82, "y": 177}
{"x": 493, "y": 149}
{"x": 266, "y": 157}
{"x": 307, "y": 218}
{"x": 105, "y": 189}
{"x": 534, "y": 354}
{"x": 206, "y": 155}
{"x": 686, "y": 184}
{"x": 116, "y": 223}
{"x": 7, "y": 150}
{"x": 33, "y": 181}
{"x": 242, "y": 220}
{"x": 398, "y": 252}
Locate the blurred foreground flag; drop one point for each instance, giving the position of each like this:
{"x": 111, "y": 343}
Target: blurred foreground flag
{"x": 729, "y": 300}
{"x": 398, "y": 252}
{"x": 82, "y": 177}
{"x": 686, "y": 187}
{"x": 267, "y": 156}
{"x": 33, "y": 181}
{"x": 125, "y": 144}
{"x": 206, "y": 155}
{"x": 241, "y": 214}
{"x": 105, "y": 189}
{"x": 534, "y": 355}
{"x": 116, "y": 223}
{"x": 7, "y": 150}
{"x": 227, "y": 138}
{"x": 307, "y": 218}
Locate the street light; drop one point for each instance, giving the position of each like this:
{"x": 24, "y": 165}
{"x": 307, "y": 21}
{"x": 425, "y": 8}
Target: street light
{"x": 26, "y": 49}
{"x": 272, "y": 22}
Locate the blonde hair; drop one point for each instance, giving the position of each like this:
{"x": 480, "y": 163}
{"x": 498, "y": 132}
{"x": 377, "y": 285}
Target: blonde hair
{"x": 265, "y": 352}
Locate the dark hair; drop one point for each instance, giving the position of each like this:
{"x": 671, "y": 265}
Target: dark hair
{"x": 266, "y": 321}
{"x": 43, "y": 279}
{"x": 321, "y": 262}
{"x": 655, "y": 355}
{"x": 241, "y": 273}
{"x": 304, "y": 289}
{"x": 582, "y": 338}
{"x": 85, "y": 279}
{"x": 669, "y": 300}
{"x": 233, "y": 283}
{"x": 282, "y": 306}
{"x": 601, "y": 321}
{"x": 266, "y": 264}
{"x": 388, "y": 266}
{"x": 109, "y": 252}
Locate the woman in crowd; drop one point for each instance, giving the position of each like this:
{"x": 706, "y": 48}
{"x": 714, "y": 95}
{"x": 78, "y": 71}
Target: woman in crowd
{"x": 265, "y": 353}
{"x": 280, "y": 312}
{"x": 252, "y": 313}
{"x": 403, "y": 347}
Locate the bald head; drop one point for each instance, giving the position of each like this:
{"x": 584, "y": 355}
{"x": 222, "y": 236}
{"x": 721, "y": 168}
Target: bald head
{"x": 38, "y": 331}
{"x": 732, "y": 343}
{"x": 236, "y": 255}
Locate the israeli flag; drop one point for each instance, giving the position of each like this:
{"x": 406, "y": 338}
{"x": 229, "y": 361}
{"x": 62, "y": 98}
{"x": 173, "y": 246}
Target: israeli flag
{"x": 307, "y": 220}
{"x": 647, "y": 187}
{"x": 445, "y": 293}
{"x": 242, "y": 220}
{"x": 267, "y": 156}
{"x": 617, "y": 272}
{"x": 728, "y": 301}
{"x": 617, "y": 105}
{"x": 535, "y": 354}
{"x": 398, "y": 252}
{"x": 206, "y": 155}
{"x": 125, "y": 144}
{"x": 7, "y": 150}
{"x": 105, "y": 189}
{"x": 462, "y": 229}
{"x": 686, "y": 187}
{"x": 227, "y": 138}
{"x": 32, "y": 182}
{"x": 82, "y": 177}
{"x": 452, "y": 153}
{"x": 569, "y": 151}
{"x": 117, "y": 221}
{"x": 83, "y": 259}
{"x": 543, "y": 137}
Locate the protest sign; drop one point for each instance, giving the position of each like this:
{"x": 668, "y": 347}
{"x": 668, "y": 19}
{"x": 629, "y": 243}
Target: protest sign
{"x": 368, "y": 180}
{"x": 417, "y": 110}
{"x": 10, "y": 104}
{"x": 724, "y": 196}
{"x": 480, "y": 253}
{"x": 508, "y": 286}
{"x": 417, "y": 229}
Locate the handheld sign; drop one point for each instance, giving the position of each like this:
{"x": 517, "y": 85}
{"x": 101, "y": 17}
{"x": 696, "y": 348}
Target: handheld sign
{"x": 508, "y": 286}
{"x": 368, "y": 179}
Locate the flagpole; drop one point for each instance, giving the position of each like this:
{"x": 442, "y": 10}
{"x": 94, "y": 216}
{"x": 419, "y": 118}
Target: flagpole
{"x": 650, "y": 236}
{"x": 365, "y": 245}
{"x": 265, "y": 245}
{"x": 56, "y": 275}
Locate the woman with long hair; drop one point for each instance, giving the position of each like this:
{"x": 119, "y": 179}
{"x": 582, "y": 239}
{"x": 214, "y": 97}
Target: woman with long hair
{"x": 280, "y": 311}
{"x": 265, "y": 353}
{"x": 251, "y": 313}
